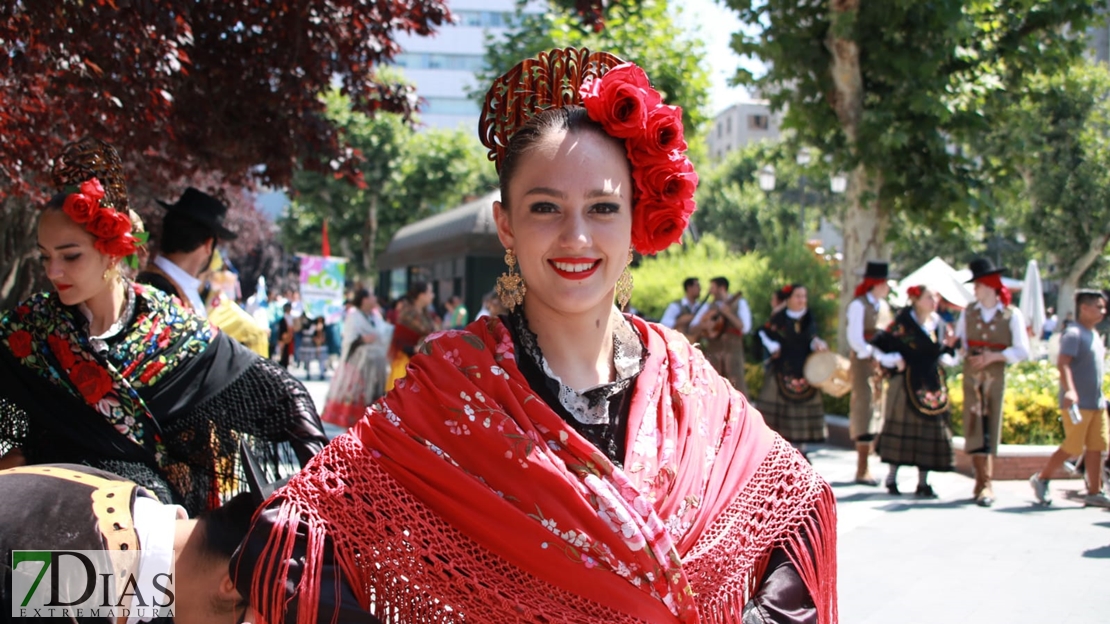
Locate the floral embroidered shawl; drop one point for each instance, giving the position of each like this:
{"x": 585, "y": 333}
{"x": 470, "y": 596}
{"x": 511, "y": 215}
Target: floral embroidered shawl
{"x": 462, "y": 493}
{"x": 50, "y": 340}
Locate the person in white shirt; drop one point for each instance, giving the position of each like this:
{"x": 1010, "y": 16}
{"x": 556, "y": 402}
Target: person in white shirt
{"x": 680, "y": 314}
{"x": 866, "y": 315}
{"x": 722, "y": 325}
{"x": 191, "y": 230}
{"x": 992, "y": 334}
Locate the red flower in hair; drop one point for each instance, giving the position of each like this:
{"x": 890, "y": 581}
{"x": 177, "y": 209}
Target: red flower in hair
{"x": 657, "y": 225}
{"x": 92, "y": 188}
{"x": 108, "y": 223}
{"x": 20, "y": 344}
{"x": 80, "y": 207}
{"x": 621, "y": 100}
{"x": 92, "y": 381}
{"x": 914, "y": 292}
{"x": 674, "y": 181}
{"x": 788, "y": 290}
{"x": 118, "y": 247}
{"x": 662, "y": 138}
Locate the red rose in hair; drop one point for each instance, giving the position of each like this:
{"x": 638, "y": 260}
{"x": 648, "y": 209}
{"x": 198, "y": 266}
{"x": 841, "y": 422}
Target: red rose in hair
{"x": 117, "y": 247}
{"x": 662, "y": 137}
{"x": 674, "y": 181}
{"x": 80, "y": 207}
{"x": 621, "y": 100}
{"x": 20, "y": 344}
{"x": 92, "y": 188}
{"x": 62, "y": 351}
{"x": 92, "y": 381}
{"x": 657, "y": 225}
{"x": 108, "y": 223}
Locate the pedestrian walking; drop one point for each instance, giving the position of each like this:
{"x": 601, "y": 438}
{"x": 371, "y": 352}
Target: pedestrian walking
{"x": 1086, "y": 431}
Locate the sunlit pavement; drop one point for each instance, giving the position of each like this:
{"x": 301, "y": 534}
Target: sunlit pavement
{"x": 904, "y": 560}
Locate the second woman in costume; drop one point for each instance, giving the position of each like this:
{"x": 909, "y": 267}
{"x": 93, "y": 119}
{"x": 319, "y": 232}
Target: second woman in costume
{"x": 363, "y": 364}
{"x": 916, "y": 429}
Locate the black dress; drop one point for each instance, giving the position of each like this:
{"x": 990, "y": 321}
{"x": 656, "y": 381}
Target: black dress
{"x": 790, "y": 405}
{"x": 916, "y": 429}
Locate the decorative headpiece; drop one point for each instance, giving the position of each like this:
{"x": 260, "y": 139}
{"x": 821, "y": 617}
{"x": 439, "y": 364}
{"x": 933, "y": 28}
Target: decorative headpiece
{"x": 619, "y": 97}
{"x": 91, "y": 174}
{"x": 915, "y": 292}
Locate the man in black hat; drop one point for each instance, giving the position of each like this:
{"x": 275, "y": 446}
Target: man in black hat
{"x": 867, "y": 313}
{"x": 992, "y": 333}
{"x": 193, "y": 227}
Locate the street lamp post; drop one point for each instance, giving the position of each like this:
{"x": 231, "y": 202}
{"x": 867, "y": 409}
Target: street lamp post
{"x": 803, "y": 160}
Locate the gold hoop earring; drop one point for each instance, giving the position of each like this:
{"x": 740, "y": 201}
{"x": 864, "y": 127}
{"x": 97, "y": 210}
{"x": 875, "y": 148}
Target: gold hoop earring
{"x": 624, "y": 284}
{"x": 510, "y": 286}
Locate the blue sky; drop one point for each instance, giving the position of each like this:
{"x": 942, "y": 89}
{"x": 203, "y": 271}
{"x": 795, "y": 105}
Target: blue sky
{"x": 715, "y": 25}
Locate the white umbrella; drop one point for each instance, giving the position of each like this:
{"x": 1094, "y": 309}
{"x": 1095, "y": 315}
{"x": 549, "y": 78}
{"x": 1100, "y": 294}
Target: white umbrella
{"x": 1032, "y": 299}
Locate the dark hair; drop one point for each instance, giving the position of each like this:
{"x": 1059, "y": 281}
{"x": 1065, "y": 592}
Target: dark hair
{"x": 688, "y": 282}
{"x": 569, "y": 118}
{"x": 415, "y": 290}
{"x": 180, "y": 234}
{"x": 360, "y": 295}
{"x": 222, "y": 529}
{"x": 56, "y": 202}
{"x": 1087, "y": 296}
{"x": 720, "y": 281}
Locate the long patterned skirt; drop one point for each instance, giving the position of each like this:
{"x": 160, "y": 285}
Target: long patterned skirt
{"x": 358, "y": 382}
{"x": 796, "y": 422}
{"x": 909, "y": 438}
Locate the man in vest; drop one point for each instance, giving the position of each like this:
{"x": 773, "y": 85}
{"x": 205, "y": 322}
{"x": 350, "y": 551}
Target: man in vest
{"x": 722, "y": 324}
{"x": 867, "y": 314}
{"x": 52, "y": 507}
{"x": 680, "y": 314}
{"x": 193, "y": 227}
{"x": 992, "y": 334}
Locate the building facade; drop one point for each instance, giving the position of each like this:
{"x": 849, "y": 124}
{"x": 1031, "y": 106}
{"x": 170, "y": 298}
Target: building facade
{"x": 443, "y": 66}
{"x": 745, "y": 122}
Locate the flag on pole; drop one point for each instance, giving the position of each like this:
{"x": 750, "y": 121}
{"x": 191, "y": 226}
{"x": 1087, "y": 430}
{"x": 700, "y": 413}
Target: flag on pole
{"x": 325, "y": 248}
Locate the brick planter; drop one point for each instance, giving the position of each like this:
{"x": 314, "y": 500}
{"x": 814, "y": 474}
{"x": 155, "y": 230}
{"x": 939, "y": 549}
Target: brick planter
{"x": 1014, "y": 461}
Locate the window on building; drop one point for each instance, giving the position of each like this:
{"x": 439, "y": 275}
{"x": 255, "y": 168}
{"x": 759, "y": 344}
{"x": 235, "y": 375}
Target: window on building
{"x": 483, "y": 19}
{"x": 728, "y": 124}
{"x": 759, "y": 122}
{"x": 423, "y": 60}
{"x": 720, "y": 130}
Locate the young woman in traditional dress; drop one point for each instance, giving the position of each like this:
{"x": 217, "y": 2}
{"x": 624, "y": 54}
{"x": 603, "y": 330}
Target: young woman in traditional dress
{"x": 112, "y": 374}
{"x": 412, "y": 325}
{"x": 363, "y": 364}
{"x": 792, "y": 406}
{"x": 565, "y": 463}
{"x": 916, "y": 429}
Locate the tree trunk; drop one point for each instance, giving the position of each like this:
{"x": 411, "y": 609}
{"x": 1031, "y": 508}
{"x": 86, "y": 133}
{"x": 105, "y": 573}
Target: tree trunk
{"x": 865, "y": 221}
{"x": 1065, "y": 299}
{"x": 865, "y": 226}
{"x": 370, "y": 237}
{"x": 17, "y": 249}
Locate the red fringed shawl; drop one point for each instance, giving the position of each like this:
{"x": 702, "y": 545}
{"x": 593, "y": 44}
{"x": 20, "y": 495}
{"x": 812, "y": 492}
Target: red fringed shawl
{"x": 463, "y": 496}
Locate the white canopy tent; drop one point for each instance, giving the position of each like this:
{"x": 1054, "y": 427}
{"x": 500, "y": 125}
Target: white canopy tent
{"x": 949, "y": 282}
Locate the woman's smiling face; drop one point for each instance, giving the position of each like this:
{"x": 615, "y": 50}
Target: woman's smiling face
{"x": 568, "y": 218}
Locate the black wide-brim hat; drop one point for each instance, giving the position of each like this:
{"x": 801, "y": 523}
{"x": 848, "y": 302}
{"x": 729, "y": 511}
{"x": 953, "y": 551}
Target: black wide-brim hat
{"x": 982, "y": 267}
{"x": 204, "y": 209}
{"x": 877, "y": 270}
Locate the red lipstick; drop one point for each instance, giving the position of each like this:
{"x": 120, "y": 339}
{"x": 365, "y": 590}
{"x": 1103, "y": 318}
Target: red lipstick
{"x": 574, "y": 268}
{"x": 62, "y": 287}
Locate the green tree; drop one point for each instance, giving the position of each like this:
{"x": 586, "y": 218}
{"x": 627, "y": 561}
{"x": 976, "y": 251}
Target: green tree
{"x": 733, "y": 207}
{"x": 643, "y": 32}
{"x": 406, "y": 175}
{"x": 1060, "y": 131}
{"x": 888, "y": 86}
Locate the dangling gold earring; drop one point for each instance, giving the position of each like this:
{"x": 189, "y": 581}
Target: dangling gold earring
{"x": 624, "y": 284}
{"x": 510, "y": 286}
{"x": 107, "y": 277}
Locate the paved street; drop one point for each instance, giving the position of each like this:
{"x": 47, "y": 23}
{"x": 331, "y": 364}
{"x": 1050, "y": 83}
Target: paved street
{"x": 907, "y": 561}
